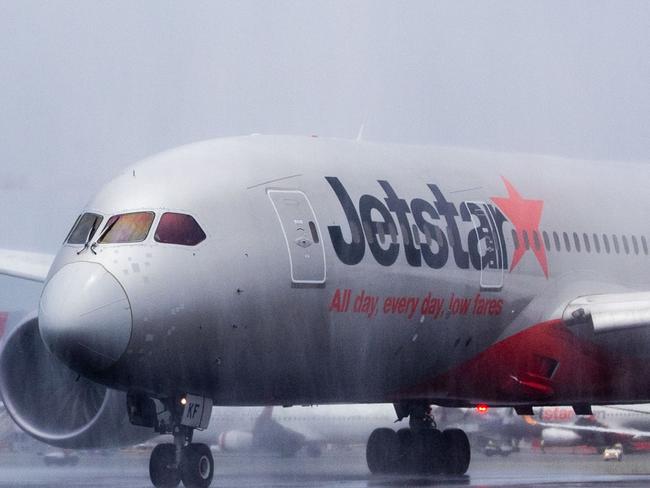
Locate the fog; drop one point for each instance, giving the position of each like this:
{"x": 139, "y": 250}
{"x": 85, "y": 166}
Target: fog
{"x": 89, "y": 87}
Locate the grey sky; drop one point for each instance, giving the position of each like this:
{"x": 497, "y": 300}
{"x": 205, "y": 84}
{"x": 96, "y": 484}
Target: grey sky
{"x": 89, "y": 87}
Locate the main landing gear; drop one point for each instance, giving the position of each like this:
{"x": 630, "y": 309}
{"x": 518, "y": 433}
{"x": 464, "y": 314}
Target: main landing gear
{"x": 420, "y": 448}
{"x": 169, "y": 464}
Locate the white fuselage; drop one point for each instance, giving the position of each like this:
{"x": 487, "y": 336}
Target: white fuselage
{"x": 338, "y": 271}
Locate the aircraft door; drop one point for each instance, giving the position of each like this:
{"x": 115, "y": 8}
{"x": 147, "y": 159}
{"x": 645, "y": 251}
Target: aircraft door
{"x": 488, "y": 242}
{"x": 302, "y": 235}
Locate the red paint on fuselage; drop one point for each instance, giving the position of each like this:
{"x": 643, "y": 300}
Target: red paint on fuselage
{"x": 545, "y": 364}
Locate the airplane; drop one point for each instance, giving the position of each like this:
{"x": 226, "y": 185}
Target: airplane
{"x": 287, "y": 430}
{"x": 628, "y": 425}
{"x": 282, "y": 270}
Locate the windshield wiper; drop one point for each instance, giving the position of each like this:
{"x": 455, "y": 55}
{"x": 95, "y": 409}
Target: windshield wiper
{"x": 91, "y": 233}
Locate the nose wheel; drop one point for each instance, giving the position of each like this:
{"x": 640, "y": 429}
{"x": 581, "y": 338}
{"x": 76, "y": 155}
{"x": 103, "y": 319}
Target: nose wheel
{"x": 183, "y": 461}
{"x": 197, "y": 466}
{"x": 163, "y": 471}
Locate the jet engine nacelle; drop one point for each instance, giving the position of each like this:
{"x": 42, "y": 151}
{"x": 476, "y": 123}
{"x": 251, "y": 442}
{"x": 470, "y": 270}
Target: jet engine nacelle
{"x": 560, "y": 437}
{"x": 235, "y": 441}
{"x": 54, "y": 404}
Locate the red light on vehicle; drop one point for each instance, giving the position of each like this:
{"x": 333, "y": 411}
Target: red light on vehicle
{"x": 482, "y": 408}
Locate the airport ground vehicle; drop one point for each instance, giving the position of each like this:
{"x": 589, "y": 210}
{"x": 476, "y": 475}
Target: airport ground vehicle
{"x": 60, "y": 458}
{"x": 492, "y": 449}
{"x": 614, "y": 453}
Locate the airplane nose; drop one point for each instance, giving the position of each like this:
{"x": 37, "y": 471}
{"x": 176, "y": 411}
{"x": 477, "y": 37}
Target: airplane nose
{"x": 84, "y": 317}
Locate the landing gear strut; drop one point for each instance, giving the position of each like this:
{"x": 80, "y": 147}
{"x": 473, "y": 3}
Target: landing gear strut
{"x": 185, "y": 461}
{"x": 420, "y": 448}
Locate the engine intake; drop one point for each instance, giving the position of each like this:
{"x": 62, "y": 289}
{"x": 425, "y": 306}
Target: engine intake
{"x": 54, "y": 404}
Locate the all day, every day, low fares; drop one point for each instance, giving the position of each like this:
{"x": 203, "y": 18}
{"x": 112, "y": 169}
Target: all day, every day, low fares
{"x": 285, "y": 270}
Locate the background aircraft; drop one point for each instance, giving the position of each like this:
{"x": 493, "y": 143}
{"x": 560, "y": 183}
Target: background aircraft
{"x": 628, "y": 425}
{"x": 287, "y": 430}
{"x": 284, "y": 431}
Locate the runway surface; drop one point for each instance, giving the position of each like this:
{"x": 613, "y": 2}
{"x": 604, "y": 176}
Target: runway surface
{"x": 343, "y": 468}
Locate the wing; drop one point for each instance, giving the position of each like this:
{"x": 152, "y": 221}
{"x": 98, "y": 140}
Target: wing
{"x": 610, "y": 312}
{"x": 26, "y": 265}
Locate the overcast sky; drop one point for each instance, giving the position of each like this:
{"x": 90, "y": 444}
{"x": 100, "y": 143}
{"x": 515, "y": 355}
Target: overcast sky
{"x": 89, "y": 87}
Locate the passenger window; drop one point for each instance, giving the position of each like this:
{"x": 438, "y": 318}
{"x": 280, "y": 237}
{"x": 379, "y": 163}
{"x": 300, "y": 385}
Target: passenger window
{"x": 427, "y": 236}
{"x": 616, "y": 247}
{"x": 597, "y": 243}
{"x": 515, "y": 239}
{"x": 416, "y": 235}
{"x": 450, "y": 237}
{"x": 556, "y": 239}
{"x": 177, "y": 228}
{"x": 440, "y": 237}
{"x": 84, "y": 228}
{"x": 626, "y": 246}
{"x": 381, "y": 233}
{"x": 547, "y": 241}
{"x": 356, "y": 233}
{"x": 644, "y": 243}
{"x": 635, "y": 245}
{"x": 576, "y": 240}
{"x": 526, "y": 241}
{"x": 567, "y": 242}
{"x": 129, "y": 227}
{"x": 405, "y": 233}
{"x": 393, "y": 232}
{"x": 367, "y": 229}
{"x": 606, "y": 242}
{"x": 585, "y": 237}
{"x": 536, "y": 241}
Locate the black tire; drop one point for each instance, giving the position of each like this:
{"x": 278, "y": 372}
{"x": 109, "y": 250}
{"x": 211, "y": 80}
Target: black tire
{"x": 382, "y": 451}
{"x": 162, "y": 471}
{"x": 197, "y": 466}
{"x": 428, "y": 447}
{"x": 405, "y": 462}
{"x": 457, "y": 453}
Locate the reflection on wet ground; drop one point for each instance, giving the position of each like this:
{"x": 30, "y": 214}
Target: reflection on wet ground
{"x": 344, "y": 468}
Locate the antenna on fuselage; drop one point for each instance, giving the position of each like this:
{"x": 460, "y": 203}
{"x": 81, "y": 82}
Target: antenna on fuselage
{"x": 360, "y": 133}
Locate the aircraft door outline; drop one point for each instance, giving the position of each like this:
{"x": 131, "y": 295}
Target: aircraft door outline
{"x": 489, "y": 245}
{"x": 302, "y": 236}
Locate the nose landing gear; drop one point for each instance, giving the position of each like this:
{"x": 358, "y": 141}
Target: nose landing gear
{"x": 185, "y": 461}
{"x": 421, "y": 448}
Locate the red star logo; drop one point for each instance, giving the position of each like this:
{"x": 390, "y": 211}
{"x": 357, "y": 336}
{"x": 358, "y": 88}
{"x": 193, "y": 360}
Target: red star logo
{"x": 525, "y": 216}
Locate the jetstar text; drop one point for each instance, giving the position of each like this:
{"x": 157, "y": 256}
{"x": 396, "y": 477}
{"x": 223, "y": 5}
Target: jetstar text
{"x": 431, "y": 230}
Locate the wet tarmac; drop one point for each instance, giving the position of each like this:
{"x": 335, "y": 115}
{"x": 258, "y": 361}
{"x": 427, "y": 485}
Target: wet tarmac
{"x": 343, "y": 468}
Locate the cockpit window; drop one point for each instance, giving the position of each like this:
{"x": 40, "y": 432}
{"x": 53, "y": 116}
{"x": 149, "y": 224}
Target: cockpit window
{"x": 129, "y": 227}
{"x": 176, "y": 228}
{"x": 84, "y": 228}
